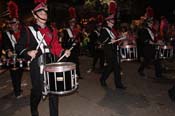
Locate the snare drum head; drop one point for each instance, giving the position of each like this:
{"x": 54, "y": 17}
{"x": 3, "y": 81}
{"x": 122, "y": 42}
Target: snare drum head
{"x": 59, "y": 67}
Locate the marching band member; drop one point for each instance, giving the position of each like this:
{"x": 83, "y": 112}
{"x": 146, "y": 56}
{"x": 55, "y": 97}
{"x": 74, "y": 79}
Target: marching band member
{"x": 10, "y": 39}
{"x": 112, "y": 57}
{"x": 97, "y": 50}
{"x": 149, "y": 50}
{"x": 39, "y": 42}
{"x": 71, "y": 35}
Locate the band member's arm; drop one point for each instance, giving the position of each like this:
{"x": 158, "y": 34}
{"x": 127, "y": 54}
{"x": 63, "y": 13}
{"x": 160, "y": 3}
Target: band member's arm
{"x": 6, "y": 42}
{"x": 23, "y": 43}
{"x": 7, "y": 45}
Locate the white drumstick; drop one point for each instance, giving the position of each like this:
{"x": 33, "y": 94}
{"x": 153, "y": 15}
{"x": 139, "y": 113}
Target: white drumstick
{"x": 65, "y": 53}
{"x": 38, "y": 45}
{"x": 122, "y": 38}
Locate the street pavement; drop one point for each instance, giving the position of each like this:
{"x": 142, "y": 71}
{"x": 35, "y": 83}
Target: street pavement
{"x": 143, "y": 96}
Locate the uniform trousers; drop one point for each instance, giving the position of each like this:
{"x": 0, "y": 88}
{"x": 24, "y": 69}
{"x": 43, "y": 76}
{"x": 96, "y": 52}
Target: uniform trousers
{"x": 36, "y": 92}
{"x": 98, "y": 55}
{"x": 151, "y": 55}
{"x": 112, "y": 66}
{"x": 16, "y": 77}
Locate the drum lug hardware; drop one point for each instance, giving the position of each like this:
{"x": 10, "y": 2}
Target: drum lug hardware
{"x": 44, "y": 97}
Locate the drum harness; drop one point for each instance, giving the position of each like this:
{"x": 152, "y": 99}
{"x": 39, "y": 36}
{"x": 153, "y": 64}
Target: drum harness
{"x": 12, "y": 39}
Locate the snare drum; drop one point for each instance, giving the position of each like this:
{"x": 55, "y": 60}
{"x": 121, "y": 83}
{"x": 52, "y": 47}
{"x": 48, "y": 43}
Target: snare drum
{"x": 165, "y": 52}
{"x": 128, "y": 52}
{"x": 60, "y": 78}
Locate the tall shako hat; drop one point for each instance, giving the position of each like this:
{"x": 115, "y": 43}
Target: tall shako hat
{"x": 39, "y": 5}
{"x": 13, "y": 12}
{"x": 149, "y": 12}
{"x": 72, "y": 14}
{"x": 112, "y": 9}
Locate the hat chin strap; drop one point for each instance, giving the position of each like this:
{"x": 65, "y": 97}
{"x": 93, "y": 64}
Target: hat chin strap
{"x": 40, "y": 17}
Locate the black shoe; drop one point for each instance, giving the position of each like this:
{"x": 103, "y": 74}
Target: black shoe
{"x": 121, "y": 87}
{"x": 103, "y": 83}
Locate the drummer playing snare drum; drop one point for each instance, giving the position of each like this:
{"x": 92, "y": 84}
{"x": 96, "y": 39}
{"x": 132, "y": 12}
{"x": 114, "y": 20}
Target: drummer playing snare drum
{"x": 149, "y": 50}
{"x": 42, "y": 47}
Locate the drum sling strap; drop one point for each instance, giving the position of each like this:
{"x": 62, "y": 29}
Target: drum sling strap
{"x": 98, "y": 34}
{"x": 12, "y": 39}
{"x": 69, "y": 33}
{"x": 151, "y": 34}
{"x": 111, "y": 34}
{"x": 39, "y": 38}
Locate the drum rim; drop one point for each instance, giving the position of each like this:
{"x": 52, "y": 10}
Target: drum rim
{"x": 54, "y": 67}
{"x": 64, "y": 92}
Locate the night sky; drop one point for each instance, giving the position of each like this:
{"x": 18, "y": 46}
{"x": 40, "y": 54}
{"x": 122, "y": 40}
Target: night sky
{"x": 164, "y": 7}
{"x": 161, "y": 7}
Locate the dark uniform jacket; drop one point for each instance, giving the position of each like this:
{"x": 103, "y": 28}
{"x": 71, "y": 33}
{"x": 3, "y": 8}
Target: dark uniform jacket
{"x": 68, "y": 42}
{"x": 6, "y": 41}
{"x": 148, "y": 49}
{"x": 7, "y": 44}
{"x": 110, "y": 50}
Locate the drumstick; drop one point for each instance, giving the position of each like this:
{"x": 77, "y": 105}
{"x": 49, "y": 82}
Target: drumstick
{"x": 122, "y": 38}
{"x": 39, "y": 45}
{"x": 65, "y": 53}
